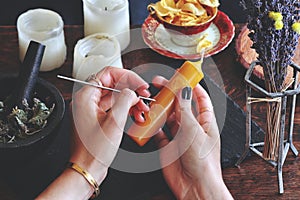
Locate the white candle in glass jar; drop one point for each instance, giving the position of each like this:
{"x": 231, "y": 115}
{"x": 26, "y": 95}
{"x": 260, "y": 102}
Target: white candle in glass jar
{"x": 107, "y": 16}
{"x": 93, "y": 53}
{"x": 46, "y": 27}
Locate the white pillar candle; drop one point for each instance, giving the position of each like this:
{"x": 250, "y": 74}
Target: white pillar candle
{"x": 44, "y": 26}
{"x": 93, "y": 53}
{"x": 107, "y": 16}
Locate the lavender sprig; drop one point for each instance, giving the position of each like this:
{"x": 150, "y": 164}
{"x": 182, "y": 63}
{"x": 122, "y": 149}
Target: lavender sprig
{"x": 275, "y": 45}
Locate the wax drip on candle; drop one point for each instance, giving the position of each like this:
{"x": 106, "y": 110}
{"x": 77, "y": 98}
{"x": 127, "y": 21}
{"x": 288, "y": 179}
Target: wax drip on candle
{"x": 112, "y": 5}
{"x": 101, "y": 46}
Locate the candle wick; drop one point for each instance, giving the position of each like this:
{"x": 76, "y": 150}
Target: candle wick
{"x": 105, "y": 8}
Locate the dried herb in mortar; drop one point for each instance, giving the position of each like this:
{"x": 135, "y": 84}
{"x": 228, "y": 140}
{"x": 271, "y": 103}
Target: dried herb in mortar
{"x": 17, "y": 118}
{"x": 21, "y": 123}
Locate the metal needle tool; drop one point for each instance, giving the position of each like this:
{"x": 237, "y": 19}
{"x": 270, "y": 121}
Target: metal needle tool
{"x": 98, "y": 86}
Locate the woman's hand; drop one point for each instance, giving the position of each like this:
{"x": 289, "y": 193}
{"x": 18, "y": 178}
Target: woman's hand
{"x": 99, "y": 117}
{"x": 196, "y": 174}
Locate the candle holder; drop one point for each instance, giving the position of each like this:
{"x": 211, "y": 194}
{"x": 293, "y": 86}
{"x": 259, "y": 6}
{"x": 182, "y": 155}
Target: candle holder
{"x": 285, "y": 142}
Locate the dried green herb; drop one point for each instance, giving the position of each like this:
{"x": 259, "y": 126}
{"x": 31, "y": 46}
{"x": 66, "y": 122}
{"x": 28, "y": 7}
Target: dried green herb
{"x": 23, "y": 122}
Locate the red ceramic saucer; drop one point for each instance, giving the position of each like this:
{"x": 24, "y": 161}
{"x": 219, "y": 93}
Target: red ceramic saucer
{"x": 220, "y": 33}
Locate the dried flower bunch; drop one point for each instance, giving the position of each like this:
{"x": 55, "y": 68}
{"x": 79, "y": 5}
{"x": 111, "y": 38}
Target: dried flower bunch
{"x": 275, "y": 30}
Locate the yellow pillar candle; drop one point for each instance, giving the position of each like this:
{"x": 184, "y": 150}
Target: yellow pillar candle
{"x": 189, "y": 74}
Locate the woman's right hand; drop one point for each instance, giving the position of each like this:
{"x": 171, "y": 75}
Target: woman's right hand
{"x": 98, "y": 119}
{"x": 196, "y": 174}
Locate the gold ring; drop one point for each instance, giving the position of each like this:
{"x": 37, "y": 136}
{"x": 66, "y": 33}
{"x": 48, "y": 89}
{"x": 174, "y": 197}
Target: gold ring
{"x": 205, "y": 109}
{"x": 93, "y": 77}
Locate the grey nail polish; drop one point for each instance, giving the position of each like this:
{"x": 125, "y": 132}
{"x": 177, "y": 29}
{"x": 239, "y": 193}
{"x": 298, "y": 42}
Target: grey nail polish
{"x": 186, "y": 93}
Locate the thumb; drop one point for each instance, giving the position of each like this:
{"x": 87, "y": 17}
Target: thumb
{"x": 188, "y": 124}
{"x": 184, "y": 106}
{"x": 185, "y": 98}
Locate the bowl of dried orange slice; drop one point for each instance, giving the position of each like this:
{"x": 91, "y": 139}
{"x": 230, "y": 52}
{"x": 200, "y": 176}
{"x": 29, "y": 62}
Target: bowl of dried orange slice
{"x": 185, "y": 20}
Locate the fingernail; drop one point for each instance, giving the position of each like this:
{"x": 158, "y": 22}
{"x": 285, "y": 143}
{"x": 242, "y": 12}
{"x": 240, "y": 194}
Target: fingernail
{"x": 147, "y": 102}
{"x": 186, "y": 93}
{"x": 143, "y": 115}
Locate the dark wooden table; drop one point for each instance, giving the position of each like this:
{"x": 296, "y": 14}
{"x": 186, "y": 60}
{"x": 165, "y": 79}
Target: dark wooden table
{"x": 255, "y": 179}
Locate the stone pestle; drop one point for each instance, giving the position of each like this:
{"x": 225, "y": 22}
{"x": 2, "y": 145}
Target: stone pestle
{"x": 26, "y": 80}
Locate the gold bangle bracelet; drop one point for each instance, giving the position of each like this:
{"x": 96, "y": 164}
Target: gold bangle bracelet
{"x": 88, "y": 177}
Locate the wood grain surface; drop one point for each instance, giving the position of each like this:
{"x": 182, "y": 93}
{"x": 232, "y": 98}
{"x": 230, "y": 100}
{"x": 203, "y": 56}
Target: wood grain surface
{"x": 255, "y": 179}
